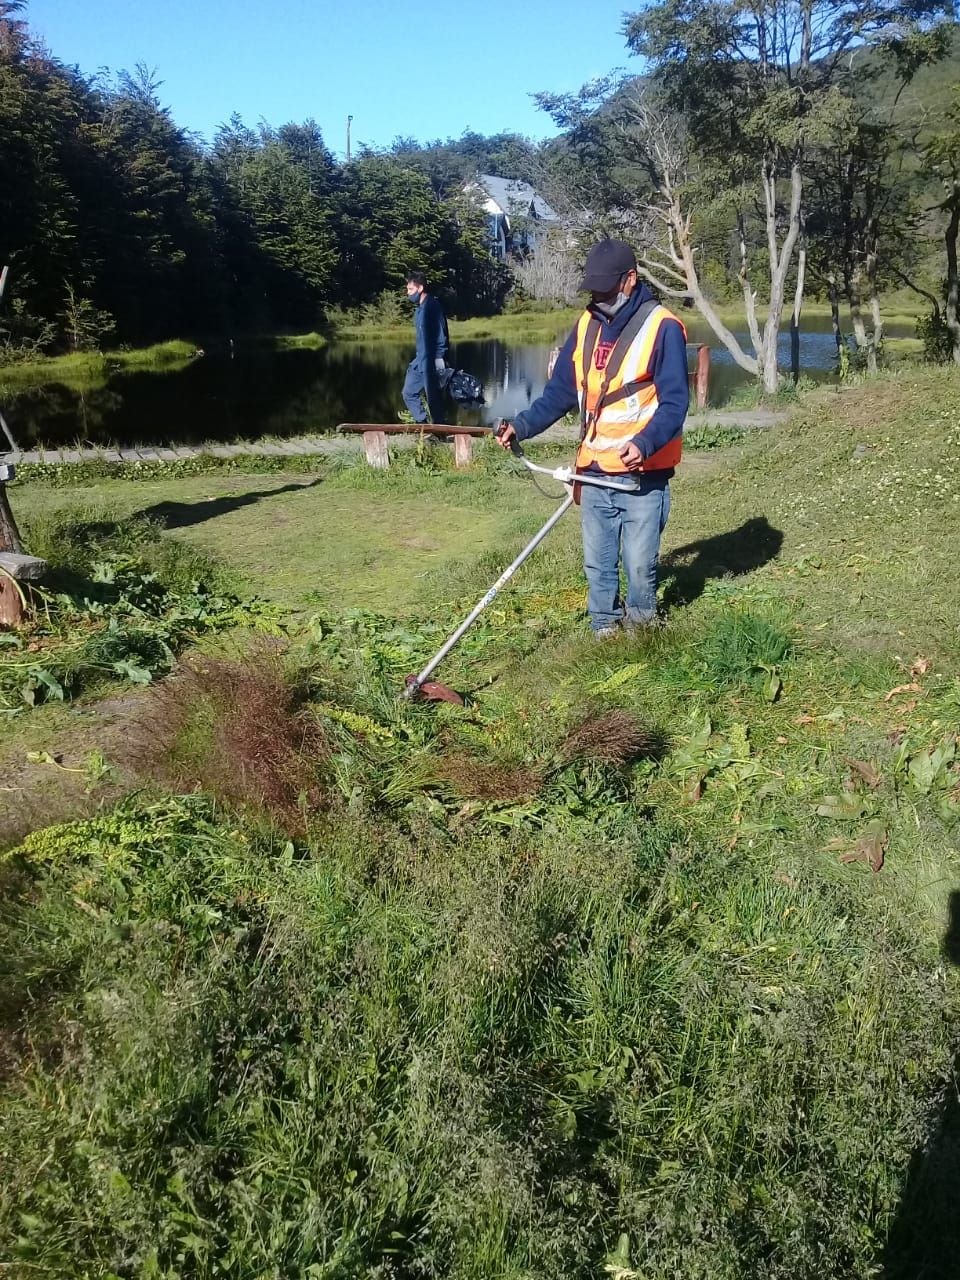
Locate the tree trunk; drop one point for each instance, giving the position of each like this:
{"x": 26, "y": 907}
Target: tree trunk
{"x": 795, "y": 314}
{"x": 835, "y": 314}
{"x": 9, "y": 533}
{"x": 856, "y": 310}
{"x": 780, "y": 259}
{"x": 877, "y": 336}
{"x": 953, "y": 279}
{"x": 682, "y": 268}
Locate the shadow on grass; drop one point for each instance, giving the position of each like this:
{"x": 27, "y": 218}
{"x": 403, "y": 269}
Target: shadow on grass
{"x": 750, "y": 546}
{"x": 180, "y": 515}
{"x": 924, "y": 1242}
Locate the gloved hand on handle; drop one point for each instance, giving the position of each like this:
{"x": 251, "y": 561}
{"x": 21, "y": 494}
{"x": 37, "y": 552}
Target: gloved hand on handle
{"x": 506, "y": 436}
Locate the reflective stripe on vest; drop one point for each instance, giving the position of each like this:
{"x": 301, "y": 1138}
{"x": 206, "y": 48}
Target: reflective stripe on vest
{"x": 629, "y": 399}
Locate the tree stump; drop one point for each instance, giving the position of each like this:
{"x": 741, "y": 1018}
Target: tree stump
{"x": 15, "y": 571}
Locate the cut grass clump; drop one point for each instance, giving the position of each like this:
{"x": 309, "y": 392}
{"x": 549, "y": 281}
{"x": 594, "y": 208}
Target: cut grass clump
{"x": 240, "y": 730}
{"x": 473, "y": 779}
{"x": 118, "y": 603}
{"x": 612, "y": 737}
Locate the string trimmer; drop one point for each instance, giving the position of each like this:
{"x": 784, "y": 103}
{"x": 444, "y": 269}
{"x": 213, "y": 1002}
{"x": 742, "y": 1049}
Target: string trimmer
{"x": 420, "y": 686}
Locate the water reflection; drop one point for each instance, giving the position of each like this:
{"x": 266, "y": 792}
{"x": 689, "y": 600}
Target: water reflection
{"x": 256, "y": 392}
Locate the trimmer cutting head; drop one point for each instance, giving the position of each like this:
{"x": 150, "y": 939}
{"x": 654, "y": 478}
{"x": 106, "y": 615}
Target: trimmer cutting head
{"x": 431, "y": 691}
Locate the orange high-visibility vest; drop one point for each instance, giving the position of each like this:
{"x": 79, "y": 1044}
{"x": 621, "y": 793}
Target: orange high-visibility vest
{"x": 618, "y": 401}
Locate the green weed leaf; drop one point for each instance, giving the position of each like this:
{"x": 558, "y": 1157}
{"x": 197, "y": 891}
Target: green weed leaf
{"x": 843, "y": 807}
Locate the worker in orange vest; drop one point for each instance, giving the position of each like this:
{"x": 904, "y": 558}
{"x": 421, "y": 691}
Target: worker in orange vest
{"x": 624, "y": 367}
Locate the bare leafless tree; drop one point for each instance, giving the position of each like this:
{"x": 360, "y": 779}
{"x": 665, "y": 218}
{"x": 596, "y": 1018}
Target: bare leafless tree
{"x": 664, "y": 228}
{"x": 549, "y": 273}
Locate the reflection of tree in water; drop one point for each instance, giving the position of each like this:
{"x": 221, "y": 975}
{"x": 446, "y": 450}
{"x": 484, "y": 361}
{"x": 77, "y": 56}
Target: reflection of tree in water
{"x": 512, "y": 376}
{"x": 58, "y": 414}
{"x": 924, "y": 1242}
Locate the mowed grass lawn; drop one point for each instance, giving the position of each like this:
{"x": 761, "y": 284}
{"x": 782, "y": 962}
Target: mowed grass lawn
{"x": 850, "y": 512}
{"x": 346, "y": 540}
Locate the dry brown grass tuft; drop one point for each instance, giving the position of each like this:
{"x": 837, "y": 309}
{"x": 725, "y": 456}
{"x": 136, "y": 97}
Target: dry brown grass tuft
{"x": 613, "y": 737}
{"x": 241, "y": 731}
{"x": 473, "y": 779}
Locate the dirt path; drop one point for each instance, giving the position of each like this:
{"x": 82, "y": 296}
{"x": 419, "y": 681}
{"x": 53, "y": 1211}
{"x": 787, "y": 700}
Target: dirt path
{"x": 338, "y": 446}
{"x": 82, "y": 764}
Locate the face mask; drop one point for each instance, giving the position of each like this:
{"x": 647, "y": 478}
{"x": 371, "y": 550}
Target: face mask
{"x": 610, "y": 309}
{"x": 415, "y": 297}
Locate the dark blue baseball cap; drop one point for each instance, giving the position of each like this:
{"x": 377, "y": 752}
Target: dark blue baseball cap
{"x": 606, "y": 263}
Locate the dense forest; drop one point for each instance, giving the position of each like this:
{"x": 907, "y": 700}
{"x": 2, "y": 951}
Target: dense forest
{"x": 769, "y": 152}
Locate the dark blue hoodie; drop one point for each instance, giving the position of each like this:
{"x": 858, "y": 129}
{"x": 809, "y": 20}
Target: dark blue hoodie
{"x": 668, "y": 364}
{"x": 430, "y": 325}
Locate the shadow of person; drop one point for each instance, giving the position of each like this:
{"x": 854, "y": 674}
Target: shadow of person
{"x": 687, "y": 569}
{"x": 180, "y": 515}
{"x": 924, "y": 1241}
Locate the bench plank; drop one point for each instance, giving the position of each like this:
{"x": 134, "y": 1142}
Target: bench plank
{"x": 23, "y": 568}
{"x": 414, "y": 428}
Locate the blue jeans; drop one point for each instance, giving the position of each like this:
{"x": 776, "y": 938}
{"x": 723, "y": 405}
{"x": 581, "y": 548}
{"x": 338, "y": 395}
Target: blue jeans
{"x": 415, "y": 384}
{"x": 627, "y": 524}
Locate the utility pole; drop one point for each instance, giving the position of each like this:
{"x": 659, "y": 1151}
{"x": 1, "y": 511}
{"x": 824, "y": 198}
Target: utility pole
{"x": 349, "y": 123}
{"x": 9, "y": 533}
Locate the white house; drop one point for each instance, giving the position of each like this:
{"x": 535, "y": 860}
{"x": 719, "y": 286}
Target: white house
{"x": 518, "y": 214}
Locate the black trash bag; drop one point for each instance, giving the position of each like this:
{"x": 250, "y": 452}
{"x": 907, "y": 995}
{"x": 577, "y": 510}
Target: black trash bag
{"x": 462, "y": 386}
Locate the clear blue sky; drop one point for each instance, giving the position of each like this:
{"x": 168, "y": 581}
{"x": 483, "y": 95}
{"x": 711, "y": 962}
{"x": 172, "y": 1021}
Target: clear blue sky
{"x": 411, "y": 67}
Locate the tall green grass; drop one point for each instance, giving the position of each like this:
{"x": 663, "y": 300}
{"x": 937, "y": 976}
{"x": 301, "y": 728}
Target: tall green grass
{"x": 390, "y": 1052}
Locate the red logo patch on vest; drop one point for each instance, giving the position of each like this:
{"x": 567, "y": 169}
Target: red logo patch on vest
{"x": 601, "y": 354}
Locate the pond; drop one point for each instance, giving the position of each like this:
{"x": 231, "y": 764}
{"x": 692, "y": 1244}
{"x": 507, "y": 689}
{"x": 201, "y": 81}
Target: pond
{"x": 252, "y": 391}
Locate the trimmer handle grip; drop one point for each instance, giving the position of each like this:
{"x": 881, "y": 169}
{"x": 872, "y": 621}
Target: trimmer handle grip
{"x": 513, "y": 441}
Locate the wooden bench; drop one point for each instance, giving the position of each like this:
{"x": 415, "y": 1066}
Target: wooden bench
{"x": 375, "y": 438}
{"x": 14, "y": 570}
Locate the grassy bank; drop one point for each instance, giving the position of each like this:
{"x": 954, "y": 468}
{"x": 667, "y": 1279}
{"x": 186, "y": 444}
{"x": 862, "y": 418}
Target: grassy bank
{"x": 545, "y": 326}
{"x": 525, "y": 326}
{"x": 644, "y": 964}
{"x": 87, "y": 369}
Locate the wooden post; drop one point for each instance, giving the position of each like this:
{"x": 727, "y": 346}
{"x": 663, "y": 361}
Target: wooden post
{"x": 462, "y": 451}
{"x": 702, "y": 376}
{"x": 375, "y": 446}
{"x": 9, "y": 533}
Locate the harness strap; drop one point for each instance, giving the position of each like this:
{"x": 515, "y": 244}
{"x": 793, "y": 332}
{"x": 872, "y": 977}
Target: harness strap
{"x": 617, "y": 357}
{"x": 589, "y": 345}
